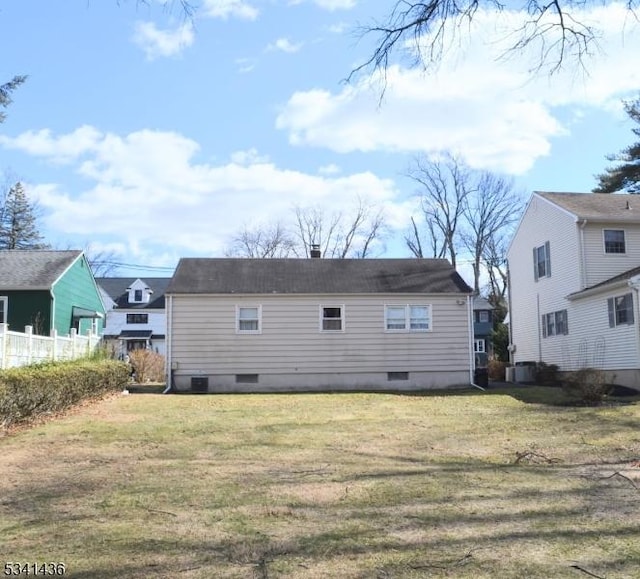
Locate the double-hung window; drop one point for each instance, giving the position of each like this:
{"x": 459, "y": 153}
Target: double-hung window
{"x": 331, "y": 318}
{"x": 620, "y": 310}
{"x": 248, "y": 319}
{"x": 137, "y": 318}
{"x": 614, "y": 241}
{"x": 542, "y": 261}
{"x": 409, "y": 318}
{"x": 3, "y": 309}
{"x": 555, "y": 324}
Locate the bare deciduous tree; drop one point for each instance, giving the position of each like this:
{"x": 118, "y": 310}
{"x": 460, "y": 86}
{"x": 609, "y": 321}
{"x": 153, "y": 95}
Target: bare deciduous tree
{"x": 444, "y": 187}
{"x": 492, "y": 208}
{"x": 262, "y": 242}
{"x": 428, "y": 29}
{"x": 464, "y": 211}
{"x": 340, "y": 235}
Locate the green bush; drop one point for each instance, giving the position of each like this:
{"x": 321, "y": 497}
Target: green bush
{"x": 587, "y": 385}
{"x": 31, "y": 391}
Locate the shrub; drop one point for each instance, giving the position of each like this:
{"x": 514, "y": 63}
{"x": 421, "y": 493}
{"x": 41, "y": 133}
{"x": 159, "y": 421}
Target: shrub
{"x": 44, "y": 388}
{"x": 497, "y": 370}
{"x": 547, "y": 374}
{"x": 147, "y": 365}
{"x": 588, "y": 385}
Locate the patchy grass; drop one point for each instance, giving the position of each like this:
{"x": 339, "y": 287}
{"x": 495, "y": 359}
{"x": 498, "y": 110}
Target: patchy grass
{"x": 468, "y": 484}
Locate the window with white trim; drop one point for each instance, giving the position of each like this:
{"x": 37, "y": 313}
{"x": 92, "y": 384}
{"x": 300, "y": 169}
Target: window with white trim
{"x": 555, "y": 324}
{"x": 409, "y": 318}
{"x": 620, "y": 310}
{"x": 331, "y": 318}
{"x": 4, "y": 302}
{"x": 248, "y": 319}
{"x": 479, "y": 346}
{"x": 542, "y": 261}
{"x": 614, "y": 241}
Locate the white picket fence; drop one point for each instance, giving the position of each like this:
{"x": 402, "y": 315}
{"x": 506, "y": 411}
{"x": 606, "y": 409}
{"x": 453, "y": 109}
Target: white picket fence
{"x": 22, "y": 349}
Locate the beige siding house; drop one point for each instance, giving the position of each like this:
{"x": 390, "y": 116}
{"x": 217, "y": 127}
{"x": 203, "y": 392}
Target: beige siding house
{"x": 251, "y": 325}
{"x": 574, "y": 264}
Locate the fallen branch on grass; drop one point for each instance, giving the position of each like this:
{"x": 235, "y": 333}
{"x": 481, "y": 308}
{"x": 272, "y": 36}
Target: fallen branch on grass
{"x": 586, "y": 572}
{"x": 618, "y": 473}
{"x": 536, "y": 457}
{"x": 448, "y": 564}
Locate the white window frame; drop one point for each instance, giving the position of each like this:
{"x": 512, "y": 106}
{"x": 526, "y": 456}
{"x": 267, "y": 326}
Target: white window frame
{"x": 483, "y": 314}
{"x": 546, "y": 250}
{"x": 322, "y": 318}
{"x": 407, "y": 320}
{"x": 613, "y": 309}
{"x": 5, "y": 309}
{"x": 479, "y": 346}
{"x": 555, "y": 324}
{"x": 624, "y": 242}
{"x": 258, "y": 319}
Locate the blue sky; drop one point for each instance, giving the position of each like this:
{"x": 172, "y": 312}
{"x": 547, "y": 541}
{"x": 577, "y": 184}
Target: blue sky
{"x": 155, "y": 137}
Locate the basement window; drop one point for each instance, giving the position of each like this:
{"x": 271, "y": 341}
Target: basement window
{"x": 246, "y": 378}
{"x": 394, "y": 376}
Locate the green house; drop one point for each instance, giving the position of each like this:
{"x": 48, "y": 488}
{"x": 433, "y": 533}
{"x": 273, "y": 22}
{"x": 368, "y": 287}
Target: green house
{"x": 49, "y": 290}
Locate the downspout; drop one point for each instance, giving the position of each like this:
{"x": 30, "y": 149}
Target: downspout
{"x": 583, "y": 261}
{"x": 52, "y": 325}
{"x": 470, "y": 333}
{"x": 169, "y": 349}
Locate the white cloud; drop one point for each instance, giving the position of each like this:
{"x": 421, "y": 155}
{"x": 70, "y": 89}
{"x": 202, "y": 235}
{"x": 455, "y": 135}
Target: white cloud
{"x": 330, "y": 169}
{"x": 285, "y": 45}
{"x": 495, "y": 114}
{"x": 230, "y": 8}
{"x": 147, "y": 191}
{"x": 330, "y": 5}
{"x": 162, "y": 43}
{"x": 246, "y": 65}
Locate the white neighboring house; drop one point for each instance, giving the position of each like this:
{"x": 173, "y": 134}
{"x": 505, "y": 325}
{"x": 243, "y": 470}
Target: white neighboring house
{"x": 261, "y": 325}
{"x": 574, "y": 269}
{"x": 136, "y": 315}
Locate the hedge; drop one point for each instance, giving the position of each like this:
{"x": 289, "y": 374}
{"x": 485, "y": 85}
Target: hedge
{"x": 32, "y": 391}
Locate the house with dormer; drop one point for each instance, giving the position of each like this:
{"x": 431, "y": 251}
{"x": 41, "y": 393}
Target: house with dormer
{"x": 136, "y": 316}
{"x": 574, "y": 270}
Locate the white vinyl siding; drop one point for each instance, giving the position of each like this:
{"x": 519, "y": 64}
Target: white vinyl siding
{"x": 204, "y": 339}
{"x": 542, "y": 223}
{"x": 602, "y": 265}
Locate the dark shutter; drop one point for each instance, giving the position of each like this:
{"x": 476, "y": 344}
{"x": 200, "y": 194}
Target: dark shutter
{"x": 547, "y": 259}
{"x": 535, "y": 263}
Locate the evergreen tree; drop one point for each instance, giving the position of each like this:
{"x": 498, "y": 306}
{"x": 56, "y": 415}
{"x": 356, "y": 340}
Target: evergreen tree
{"x": 626, "y": 175}
{"x": 18, "y": 221}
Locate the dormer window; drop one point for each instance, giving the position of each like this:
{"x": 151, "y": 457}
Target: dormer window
{"x": 139, "y": 292}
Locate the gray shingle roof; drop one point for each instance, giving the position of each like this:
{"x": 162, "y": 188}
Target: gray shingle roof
{"x": 116, "y": 289}
{"x": 24, "y": 269}
{"x": 598, "y": 206}
{"x": 315, "y": 276}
